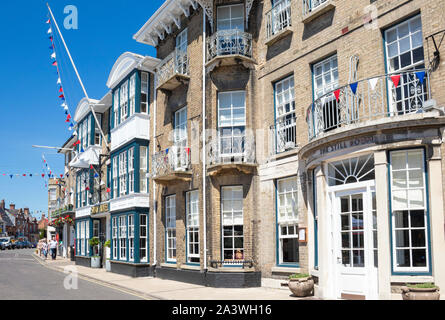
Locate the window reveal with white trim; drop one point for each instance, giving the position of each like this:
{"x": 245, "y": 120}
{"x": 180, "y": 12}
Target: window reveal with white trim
{"x": 131, "y": 237}
{"x": 409, "y": 211}
{"x": 232, "y": 223}
{"x": 192, "y": 212}
{"x": 287, "y": 204}
{"x": 123, "y": 238}
{"x": 131, "y": 170}
{"x": 170, "y": 228}
{"x": 115, "y": 238}
{"x": 143, "y": 186}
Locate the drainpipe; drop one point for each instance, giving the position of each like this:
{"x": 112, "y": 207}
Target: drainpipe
{"x": 155, "y": 206}
{"x": 203, "y": 116}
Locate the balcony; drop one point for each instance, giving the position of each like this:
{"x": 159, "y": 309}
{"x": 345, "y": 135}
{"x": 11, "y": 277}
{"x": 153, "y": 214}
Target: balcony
{"x": 173, "y": 71}
{"x": 231, "y": 155}
{"x": 284, "y": 135}
{"x": 278, "y": 22}
{"x": 376, "y": 100}
{"x": 135, "y": 127}
{"x": 66, "y": 210}
{"x": 172, "y": 165}
{"x": 312, "y": 9}
{"x": 229, "y": 47}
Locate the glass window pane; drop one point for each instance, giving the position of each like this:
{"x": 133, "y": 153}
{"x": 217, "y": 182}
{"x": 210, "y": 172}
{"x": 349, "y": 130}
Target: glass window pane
{"x": 402, "y": 239}
{"x": 419, "y": 258}
{"x": 401, "y": 219}
{"x": 417, "y": 219}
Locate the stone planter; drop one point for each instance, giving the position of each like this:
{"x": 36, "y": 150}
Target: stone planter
{"x": 302, "y": 287}
{"x": 420, "y": 293}
{"x": 95, "y": 262}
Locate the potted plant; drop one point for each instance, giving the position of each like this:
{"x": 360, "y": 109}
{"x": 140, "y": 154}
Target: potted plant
{"x": 95, "y": 258}
{"x": 107, "y": 256}
{"x": 301, "y": 285}
{"x": 420, "y": 291}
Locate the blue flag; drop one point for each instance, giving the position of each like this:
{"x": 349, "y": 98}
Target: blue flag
{"x": 354, "y": 87}
{"x": 421, "y": 76}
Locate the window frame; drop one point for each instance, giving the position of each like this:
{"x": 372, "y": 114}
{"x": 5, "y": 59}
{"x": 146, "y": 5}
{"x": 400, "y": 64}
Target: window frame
{"x": 170, "y": 229}
{"x": 143, "y": 239}
{"x": 192, "y": 228}
{"x": 232, "y": 225}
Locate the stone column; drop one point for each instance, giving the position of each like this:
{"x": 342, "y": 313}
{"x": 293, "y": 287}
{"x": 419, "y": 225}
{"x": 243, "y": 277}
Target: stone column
{"x": 326, "y": 280}
{"x": 383, "y": 214}
{"x": 436, "y": 215}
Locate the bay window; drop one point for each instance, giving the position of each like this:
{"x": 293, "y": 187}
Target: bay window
{"x": 409, "y": 219}
{"x": 170, "y": 228}
{"x": 123, "y": 173}
{"x": 131, "y": 170}
{"x": 115, "y": 177}
{"x": 132, "y": 95}
{"x": 287, "y": 220}
{"x": 116, "y": 107}
{"x": 143, "y": 170}
{"x": 232, "y": 223}
{"x": 192, "y": 213}
{"x": 124, "y": 101}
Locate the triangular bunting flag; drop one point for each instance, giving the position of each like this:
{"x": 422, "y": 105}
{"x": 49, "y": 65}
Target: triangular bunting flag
{"x": 61, "y": 89}
{"x": 53, "y": 55}
{"x": 337, "y": 94}
{"x": 50, "y": 30}
{"x": 373, "y": 83}
{"x": 354, "y": 87}
{"x": 61, "y": 96}
{"x": 48, "y": 21}
{"x": 396, "y": 80}
{"x": 421, "y": 76}
{"x": 55, "y": 63}
{"x": 59, "y": 81}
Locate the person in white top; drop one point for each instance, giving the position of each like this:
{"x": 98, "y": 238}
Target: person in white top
{"x": 53, "y": 247}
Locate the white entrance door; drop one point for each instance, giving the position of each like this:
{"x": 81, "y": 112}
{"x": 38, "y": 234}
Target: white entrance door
{"x": 355, "y": 244}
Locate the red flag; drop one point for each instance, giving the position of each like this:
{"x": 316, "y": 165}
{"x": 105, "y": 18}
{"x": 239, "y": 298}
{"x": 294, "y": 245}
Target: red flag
{"x": 69, "y": 116}
{"x": 61, "y": 89}
{"x": 55, "y": 63}
{"x": 24, "y": 175}
{"x": 61, "y": 96}
{"x": 396, "y": 80}
{"x": 337, "y": 94}
{"x": 48, "y": 21}
{"x": 108, "y": 190}
{"x": 91, "y": 167}
{"x": 43, "y": 175}
{"x": 61, "y": 176}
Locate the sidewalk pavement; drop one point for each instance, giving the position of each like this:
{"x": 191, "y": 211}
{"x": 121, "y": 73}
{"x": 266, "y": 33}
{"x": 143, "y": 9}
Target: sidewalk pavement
{"x": 159, "y": 289}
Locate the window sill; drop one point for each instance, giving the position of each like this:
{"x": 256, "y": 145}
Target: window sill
{"x": 412, "y": 279}
{"x": 279, "y": 35}
{"x": 191, "y": 267}
{"x": 286, "y": 270}
{"x": 172, "y": 265}
{"x": 320, "y": 10}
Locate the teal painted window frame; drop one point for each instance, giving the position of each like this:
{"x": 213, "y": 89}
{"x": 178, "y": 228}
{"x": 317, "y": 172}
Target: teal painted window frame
{"x": 88, "y": 249}
{"x": 277, "y": 232}
{"x": 428, "y": 224}
{"x": 186, "y": 230}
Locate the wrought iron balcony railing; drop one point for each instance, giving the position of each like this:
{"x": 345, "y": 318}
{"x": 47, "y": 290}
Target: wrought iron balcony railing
{"x": 278, "y": 18}
{"x": 284, "y": 135}
{"x": 229, "y": 42}
{"x": 173, "y": 160}
{"x": 390, "y": 95}
{"x": 176, "y": 63}
{"x": 231, "y": 150}
{"x": 311, "y": 5}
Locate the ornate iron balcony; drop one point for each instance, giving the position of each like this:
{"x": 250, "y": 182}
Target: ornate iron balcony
{"x": 170, "y": 162}
{"x": 229, "y": 42}
{"x": 174, "y": 67}
{"x": 278, "y": 19}
{"x": 375, "y": 98}
{"x": 284, "y": 134}
{"x": 231, "y": 150}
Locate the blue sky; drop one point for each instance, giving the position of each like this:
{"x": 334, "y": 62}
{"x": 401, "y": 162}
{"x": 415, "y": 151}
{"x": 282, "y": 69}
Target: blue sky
{"x": 30, "y": 111}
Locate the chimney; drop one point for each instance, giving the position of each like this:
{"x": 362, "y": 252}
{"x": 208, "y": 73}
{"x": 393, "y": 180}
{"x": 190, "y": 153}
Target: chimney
{"x": 12, "y": 206}
{"x": 2, "y": 204}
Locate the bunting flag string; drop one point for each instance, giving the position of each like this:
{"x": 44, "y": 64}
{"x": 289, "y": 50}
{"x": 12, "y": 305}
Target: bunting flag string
{"x": 55, "y": 63}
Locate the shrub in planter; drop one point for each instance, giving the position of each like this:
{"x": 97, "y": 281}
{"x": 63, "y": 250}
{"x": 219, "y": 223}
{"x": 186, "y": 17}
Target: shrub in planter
{"x": 301, "y": 285}
{"x": 421, "y": 291}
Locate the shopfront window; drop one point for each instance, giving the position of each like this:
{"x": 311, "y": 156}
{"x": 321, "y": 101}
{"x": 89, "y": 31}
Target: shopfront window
{"x": 123, "y": 237}
{"x": 143, "y": 248}
{"x": 409, "y": 211}
{"x": 192, "y": 210}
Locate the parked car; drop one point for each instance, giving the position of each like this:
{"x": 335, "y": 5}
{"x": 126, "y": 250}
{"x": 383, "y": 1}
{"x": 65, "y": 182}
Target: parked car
{"x": 27, "y": 245}
{"x": 19, "y": 245}
{"x": 2, "y": 244}
{"x": 8, "y": 243}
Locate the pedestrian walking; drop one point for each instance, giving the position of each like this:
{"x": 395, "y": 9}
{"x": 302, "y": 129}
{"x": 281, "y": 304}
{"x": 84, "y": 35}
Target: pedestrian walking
{"x": 45, "y": 249}
{"x": 53, "y": 247}
{"x": 39, "y": 247}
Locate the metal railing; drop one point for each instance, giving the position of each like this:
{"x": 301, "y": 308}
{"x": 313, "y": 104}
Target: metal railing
{"x": 176, "y": 63}
{"x": 227, "y": 150}
{"x": 219, "y": 263}
{"x": 229, "y": 42}
{"x": 284, "y": 135}
{"x": 374, "y": 98}
{"x": 173, "y": 160}
{"x": 311, "y": 5}
{"x": 278, "y": 18}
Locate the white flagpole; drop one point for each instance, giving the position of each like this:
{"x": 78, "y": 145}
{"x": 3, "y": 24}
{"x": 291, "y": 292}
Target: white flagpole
{"x": 78, "y": 76}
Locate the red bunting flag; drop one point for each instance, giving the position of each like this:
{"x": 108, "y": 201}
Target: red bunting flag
{"x": 55, "y": 63}
{"x": 61, "y": 89}
{"x": 61, "y": 176}
{"x": 337, "y": 94}
{"x": 24, "y": 175}
{"x": 43, "y": 175}
{"x": 396, "y": 80}
{"x": 62, "y": 96}
{"x": 108, "y": 190}
{"x": 91, "y": 167}
{"x": 48, "y": 21}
